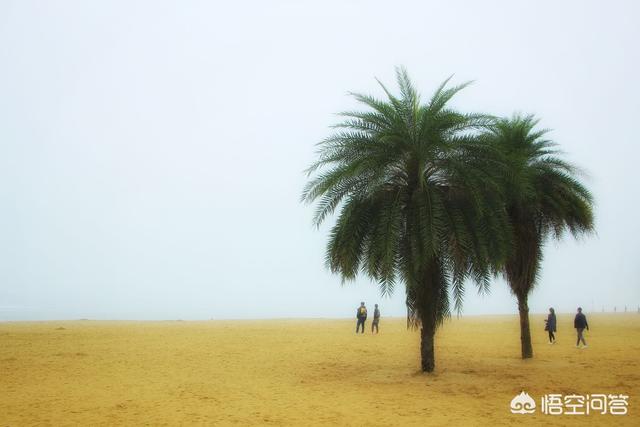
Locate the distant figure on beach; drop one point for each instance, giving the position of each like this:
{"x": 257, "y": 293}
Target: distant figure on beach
{"x": 551, "y": 325}
{"x": 376, "y": 319}
{"x": 361, "y": 315}
{"x": 580, "y": 323}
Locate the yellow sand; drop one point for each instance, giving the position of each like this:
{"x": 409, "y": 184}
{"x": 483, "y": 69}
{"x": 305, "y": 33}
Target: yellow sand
{"x": 305, "y": 372}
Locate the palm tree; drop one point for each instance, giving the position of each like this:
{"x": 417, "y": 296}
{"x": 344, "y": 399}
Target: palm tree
{"x": 543, "y": 199}
{"x": 417, "y": 201}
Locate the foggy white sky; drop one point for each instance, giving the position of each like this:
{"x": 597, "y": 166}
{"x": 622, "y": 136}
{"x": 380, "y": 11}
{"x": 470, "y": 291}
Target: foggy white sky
{"x": 151, "y": 153}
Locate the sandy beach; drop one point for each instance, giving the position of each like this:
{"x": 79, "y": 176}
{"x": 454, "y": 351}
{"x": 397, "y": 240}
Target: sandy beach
{"x": 306, "y": 372}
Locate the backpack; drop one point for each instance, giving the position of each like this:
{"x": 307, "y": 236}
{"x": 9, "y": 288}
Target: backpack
{"x": 362, "y": 311}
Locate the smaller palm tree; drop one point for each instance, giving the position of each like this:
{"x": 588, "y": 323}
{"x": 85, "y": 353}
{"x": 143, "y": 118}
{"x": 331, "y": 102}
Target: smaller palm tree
{"x": 543, "y": 199}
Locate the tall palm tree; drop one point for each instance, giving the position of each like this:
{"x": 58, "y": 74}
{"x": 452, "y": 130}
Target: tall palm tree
{"x": 543, "y": 199}
{"x": 417, "y": 201}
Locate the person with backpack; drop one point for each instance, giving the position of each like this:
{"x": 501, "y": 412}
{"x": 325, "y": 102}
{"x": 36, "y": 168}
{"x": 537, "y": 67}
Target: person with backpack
{"x": 551, "y": 325}
{"x": 376, "y": 319}
{"x": 361, "y": 315}
{"x": 580, "y": 323}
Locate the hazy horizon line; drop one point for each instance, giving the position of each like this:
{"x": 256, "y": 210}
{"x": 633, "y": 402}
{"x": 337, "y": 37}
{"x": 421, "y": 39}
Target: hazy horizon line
{"x": 232, "y": 319}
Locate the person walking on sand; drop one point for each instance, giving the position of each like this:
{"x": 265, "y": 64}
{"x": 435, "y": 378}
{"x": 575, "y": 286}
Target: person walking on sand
{"x": 376, "y": 319}
{"x": 361, "y": 315}
{"x": 551, "y": 325}
{"x": 580, "y": 323}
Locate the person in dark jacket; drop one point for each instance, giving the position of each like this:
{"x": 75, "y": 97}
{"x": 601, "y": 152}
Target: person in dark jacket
{"x": 361, "y": 315}
{"x": 580, "y": 323}
{"x": 551, "y": 325}
{"x": 376, "y": 319}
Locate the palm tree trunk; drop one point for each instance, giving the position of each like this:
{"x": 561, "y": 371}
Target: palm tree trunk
{"x": 427, "y": 348}
{"x": 525, "y": 332}
{"x": 429, "y": 301}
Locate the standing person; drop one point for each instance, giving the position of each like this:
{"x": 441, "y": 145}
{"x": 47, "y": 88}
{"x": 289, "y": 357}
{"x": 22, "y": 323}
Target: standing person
{"x": 551, "y": 325}
{"x": 580, "y": 322}
{"x": 361, "y": 315}
{"x": 376, "y": 319}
